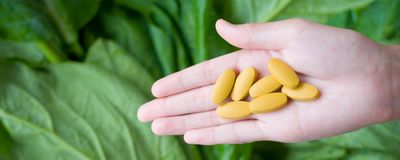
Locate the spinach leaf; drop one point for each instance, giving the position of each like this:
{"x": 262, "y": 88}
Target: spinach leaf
{"x": 6, "y": 143}
{"x": 319, "y": 11}
{"x": 69, "y": 16}
{"x": 142, "y": 6}
{"x": 25, "y": 21}
{"x": 29, "y": 124}
{"x": 325, "y": 6}
{"x": 131, "y": 32}
{"x": 239, "y": 11}
{"x": 163, "y": 45}
{"x": 53, "y": 21}
{"x": 81, "y": 120}
{"x": 228, "y": 152}
{"x": 197, "y": 23}
{"x": 379, "y": 21}
{"x": 34, "y": 53}
{"x": 109, "y": 55}
{"x": 381, "y": 138}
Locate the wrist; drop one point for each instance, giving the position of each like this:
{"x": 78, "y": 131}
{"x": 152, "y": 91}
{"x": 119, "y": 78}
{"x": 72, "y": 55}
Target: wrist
{"x": 394, "y": 75}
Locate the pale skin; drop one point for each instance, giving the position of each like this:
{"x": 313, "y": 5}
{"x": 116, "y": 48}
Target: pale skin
{"x": 359, "y": 81}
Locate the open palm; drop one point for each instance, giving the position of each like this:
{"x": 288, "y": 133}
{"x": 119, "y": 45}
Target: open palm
{"x": 349, "y": 70}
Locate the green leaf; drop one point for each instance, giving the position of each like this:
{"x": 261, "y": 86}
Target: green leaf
{"x": 37, "y": 114}
{"x": 25, "y": 21}
{"x": 49, "y": 143}
{"x": 33, "y": 53}
{"x": 366, "y": 154}
{"x": 239, "y": 11}
{"x": 120, "y": 100}
{"x": 46, "y": 20}
{"x": 163, "y": 45}
{"x": 142, "y": 6}
{"x": 325, "y": 6}
{"x": 27, "y": 120}
{"x": 132, "y": 33}
{"x": 195, "y": 26}
{"x": 92, "y": 114}
{"x": 197, "y": 23}
{"x": 315, "y": 150}
{"x": 319, "y": 10}
{"x": 109, "y": 55}
{"x": 6, "y": 142}
{"x": 383, "y": 138}
{"x": 228, "y": 152}
{"x": 170, "y": 11}
{"x": 69, "y": 16}
{"x": 342, "y": 20}
{"x": 379, "y": 21}
{"x": 182, "y": 54}
{"x": 78, "y": 133}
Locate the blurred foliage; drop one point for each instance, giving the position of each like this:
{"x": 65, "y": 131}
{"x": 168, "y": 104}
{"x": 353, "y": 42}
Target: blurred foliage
{"x": 73, "y": 73}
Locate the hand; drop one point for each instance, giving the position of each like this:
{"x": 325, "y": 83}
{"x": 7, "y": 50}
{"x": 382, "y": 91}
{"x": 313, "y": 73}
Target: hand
{"x": 352, "y": 73}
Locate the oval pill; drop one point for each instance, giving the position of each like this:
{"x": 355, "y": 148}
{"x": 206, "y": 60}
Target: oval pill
{"x": 223, "y": 86}
{"x": 304, "y": 92}
{"x": 234, "y": 110}
{"x": 243, "y": 83}
{"x": 283, "y": 73}
{"x": 263, "y": 86}
{"x": 268, "y": 102}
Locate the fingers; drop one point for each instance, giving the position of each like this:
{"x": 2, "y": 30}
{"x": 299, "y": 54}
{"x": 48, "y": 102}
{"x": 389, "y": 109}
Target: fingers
{"x": 271, "y": 35}
{"x": 193, "y": 101}
{"x": 206, "y": 73}
{"x": 231, "y": 133}
{"x": 180, "y": 124}
{"x": 289, "y": 124}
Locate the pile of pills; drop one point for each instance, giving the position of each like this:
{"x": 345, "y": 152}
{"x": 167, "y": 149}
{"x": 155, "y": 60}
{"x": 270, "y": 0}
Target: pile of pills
{"x": 265, "y": 92}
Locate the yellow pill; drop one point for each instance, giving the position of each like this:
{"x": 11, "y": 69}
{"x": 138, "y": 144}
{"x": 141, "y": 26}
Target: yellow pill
{"x": 263, "y": 86}
{"x": 234, "y": 110}
{"x": 243, "y": 83}
{"x": 304, "y": 92}
{"x": 268, "y": 102}
{"x": 283, "y": 73}
{"x": 223, "y": 86}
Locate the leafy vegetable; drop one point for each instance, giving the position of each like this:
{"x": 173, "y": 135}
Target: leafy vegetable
{"x": 380, "y": 27}
{"x": 109, "y": 55}
{"x": 5, "y": 148}
{"x": 131, "y": 32}
{"x": 67, "y": 16}
{"x": 79, "y": 120}
{"x": 240, "y": 11}
{"x": 74, "y": 72}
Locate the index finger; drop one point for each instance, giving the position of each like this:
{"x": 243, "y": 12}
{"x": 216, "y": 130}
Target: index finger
{"x": 207, "y": 72}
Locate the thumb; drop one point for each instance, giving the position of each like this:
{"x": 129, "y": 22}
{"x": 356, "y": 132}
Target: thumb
{"x": 271, "y": 35}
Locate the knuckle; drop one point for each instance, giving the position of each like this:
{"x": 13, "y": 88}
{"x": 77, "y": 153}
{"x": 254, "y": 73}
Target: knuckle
{"x": 250, "y": 31}
{"x": 236, "y": 134}
{"x": 297, "y": 25}
{"x": 207, "y": 70}
{"x": 383, "y": 115}
{"x": 292, "y": 136}
{"x": 354, "y": 35}
{"x": 165, "y": 104}
{"x": 290, "y": 139}
{"x": 299, "y": 22}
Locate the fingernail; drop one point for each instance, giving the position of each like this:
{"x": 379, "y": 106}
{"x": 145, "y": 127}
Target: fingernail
{"x": 143, "y": 113}
{"x": 155, "y": 89}
{"x": 158, "y": 127}
{"x": 191, "y": 137}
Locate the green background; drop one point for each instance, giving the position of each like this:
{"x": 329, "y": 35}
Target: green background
{"x": 74, "y": 72}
